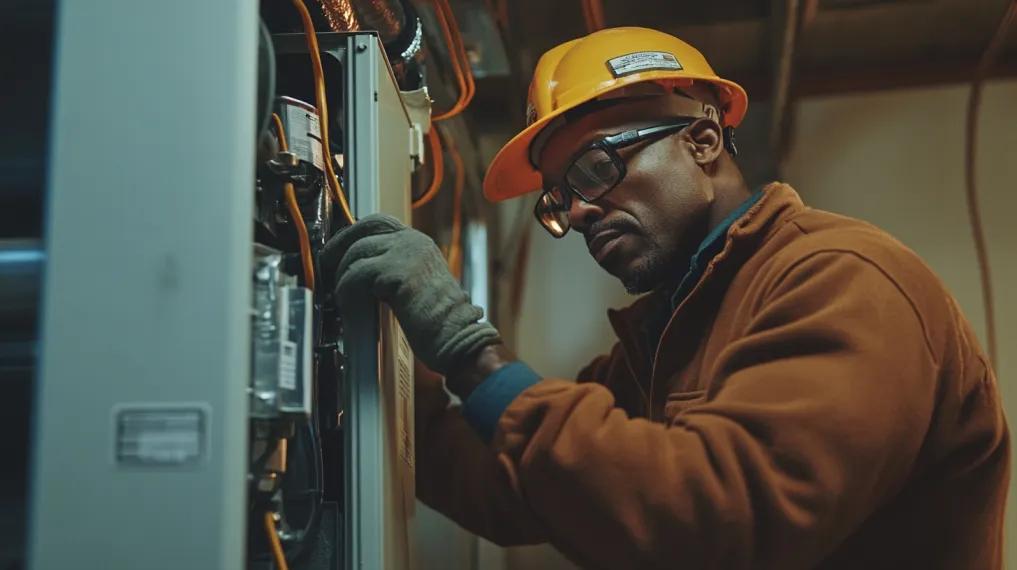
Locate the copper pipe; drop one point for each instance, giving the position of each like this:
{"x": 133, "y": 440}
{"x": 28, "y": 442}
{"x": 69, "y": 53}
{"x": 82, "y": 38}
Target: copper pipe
{"x": 340, "y": 15}
{"x": 385, "y": 16}
{"x": 397, "y": 26}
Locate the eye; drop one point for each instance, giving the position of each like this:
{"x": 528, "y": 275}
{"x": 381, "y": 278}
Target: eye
{"x": 593, "y": 170}
{"x": 603, "y": 168}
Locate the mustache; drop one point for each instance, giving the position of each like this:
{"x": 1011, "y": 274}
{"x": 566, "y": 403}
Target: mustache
{"x": 620, "y": 225}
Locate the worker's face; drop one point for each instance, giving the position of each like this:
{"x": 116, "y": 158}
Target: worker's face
{"x": 644, "y": 230}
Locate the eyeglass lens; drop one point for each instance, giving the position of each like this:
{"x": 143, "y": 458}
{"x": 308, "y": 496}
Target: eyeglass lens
{"x": 593, "y": 173}
{"x": 552, "y": 212}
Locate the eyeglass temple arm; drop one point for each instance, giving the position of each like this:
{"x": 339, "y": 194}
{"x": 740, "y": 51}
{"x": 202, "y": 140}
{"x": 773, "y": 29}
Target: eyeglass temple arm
{"x": 628, "y": 137}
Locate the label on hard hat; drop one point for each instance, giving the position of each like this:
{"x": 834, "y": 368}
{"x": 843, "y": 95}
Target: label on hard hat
{"x": 643, "y": 61}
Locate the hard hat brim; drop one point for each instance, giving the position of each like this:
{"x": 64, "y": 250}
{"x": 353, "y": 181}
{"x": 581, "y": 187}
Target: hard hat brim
{"x": 511, "y": 173}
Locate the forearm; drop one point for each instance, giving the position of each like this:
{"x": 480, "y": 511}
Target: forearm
{"x": 477, "y": 368}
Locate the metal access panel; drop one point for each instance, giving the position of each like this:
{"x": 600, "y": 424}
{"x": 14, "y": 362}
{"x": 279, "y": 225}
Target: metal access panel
{"x": 139, "y": 454}
{"x": 377, "y": 382}
{"x": 379, "y": 439}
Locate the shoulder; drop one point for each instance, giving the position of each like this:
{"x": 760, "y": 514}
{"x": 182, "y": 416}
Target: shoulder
{"x": 863, "y": 256}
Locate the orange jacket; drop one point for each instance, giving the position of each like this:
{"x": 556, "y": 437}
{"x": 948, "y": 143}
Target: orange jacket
{"x": 817, "y": 401}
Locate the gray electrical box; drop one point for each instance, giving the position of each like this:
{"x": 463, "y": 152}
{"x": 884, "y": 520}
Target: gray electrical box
{"x": 165, "y": 331}
{"x": 378, "y": 455}
{"x": 281, "y": 315}
{"x": 139, "y": 446}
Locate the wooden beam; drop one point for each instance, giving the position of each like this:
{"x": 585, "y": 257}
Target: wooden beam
{"x": 836, "y": 81}
{"x": 784, "y": 39}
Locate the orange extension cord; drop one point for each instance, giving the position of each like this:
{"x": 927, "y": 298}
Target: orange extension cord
{"x": 437, "y": 168}
{"x": 457, "y": 55}
{"x": 322, "y": 108}
{"x": 298, "y": 219}
{"x": 467, "y": 89}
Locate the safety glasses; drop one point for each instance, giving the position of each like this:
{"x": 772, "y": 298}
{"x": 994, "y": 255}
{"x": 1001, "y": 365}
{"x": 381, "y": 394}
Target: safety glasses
{"x": 592, "y": 173}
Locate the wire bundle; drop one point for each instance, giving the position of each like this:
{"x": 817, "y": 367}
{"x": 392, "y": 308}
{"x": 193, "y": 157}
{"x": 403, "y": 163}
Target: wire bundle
{"x": 457, "y": 55}
{"x": 290, "y": 195}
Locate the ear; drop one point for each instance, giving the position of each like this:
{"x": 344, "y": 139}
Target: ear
{"x": 705, "y": 139}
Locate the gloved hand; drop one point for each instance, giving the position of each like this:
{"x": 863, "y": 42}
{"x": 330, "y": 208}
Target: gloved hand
{"x": 404, "y": 268}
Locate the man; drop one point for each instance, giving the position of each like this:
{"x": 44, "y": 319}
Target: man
{"x": 796, "y": 390}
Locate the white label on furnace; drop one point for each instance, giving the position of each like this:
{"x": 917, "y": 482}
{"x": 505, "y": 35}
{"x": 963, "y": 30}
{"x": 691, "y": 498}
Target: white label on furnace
{"x": 304, "y": 133}
{"x": 288, "y": 365}
{"x": 643, "y": 61}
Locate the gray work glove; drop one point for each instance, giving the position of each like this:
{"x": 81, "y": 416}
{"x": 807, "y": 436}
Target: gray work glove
{"x": 379, "y": 255}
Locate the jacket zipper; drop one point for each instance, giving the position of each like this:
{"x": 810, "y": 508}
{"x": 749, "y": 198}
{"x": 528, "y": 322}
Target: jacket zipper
{"x": 674, "y": 316}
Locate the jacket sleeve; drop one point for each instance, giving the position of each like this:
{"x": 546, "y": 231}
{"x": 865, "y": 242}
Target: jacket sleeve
{"x": 460, "y": 476}
{"x": 821, "y": 410}
{"x": 596, "y": 370}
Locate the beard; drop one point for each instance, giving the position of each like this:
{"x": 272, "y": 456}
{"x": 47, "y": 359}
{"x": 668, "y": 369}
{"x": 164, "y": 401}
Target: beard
{"x": 655, "y": 266}
{"x": 650, "y": 272}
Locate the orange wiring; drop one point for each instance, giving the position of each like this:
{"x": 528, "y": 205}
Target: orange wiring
{"x": 457, "y": 55}
{"x": 298, "y": 219}
{"x": 464, "y": 59}
{"x": 457, "y": 71}
{"x": 437, "y": 168}
{"x": 273, "y": 541}
{"x": 305, "y": 240}
{"x": 322, "y": 108}
{"x": 971, "y": 131}
{"x": 455, "y": 249}
{"x": 280, "y": 133}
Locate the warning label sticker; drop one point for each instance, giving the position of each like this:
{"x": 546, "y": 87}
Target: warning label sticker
{"x": 304, "y": 134}
{"x": 643, "y": 61}
{"x": 157, "y": 435}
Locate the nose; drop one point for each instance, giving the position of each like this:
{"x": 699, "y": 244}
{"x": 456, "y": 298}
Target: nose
{"x": 583, "y": 214}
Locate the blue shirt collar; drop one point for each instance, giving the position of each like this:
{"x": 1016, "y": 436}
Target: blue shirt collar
{"x": 709, "y": 248}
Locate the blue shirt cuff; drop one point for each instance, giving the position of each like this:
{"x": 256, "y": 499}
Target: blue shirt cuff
{"x": 489, "y": 399}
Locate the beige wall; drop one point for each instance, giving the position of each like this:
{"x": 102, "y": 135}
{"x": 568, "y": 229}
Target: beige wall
{"x": 896, "y": 159}
{"x": 893, "y": 158}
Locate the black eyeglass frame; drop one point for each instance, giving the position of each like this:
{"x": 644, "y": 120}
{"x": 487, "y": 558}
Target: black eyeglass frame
{"x": 609, "y": 145}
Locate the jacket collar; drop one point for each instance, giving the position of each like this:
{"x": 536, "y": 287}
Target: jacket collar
{"x": 755, "y": 225}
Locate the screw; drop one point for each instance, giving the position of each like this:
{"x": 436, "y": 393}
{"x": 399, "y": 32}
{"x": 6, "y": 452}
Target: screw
{"x": 361, "y": 47}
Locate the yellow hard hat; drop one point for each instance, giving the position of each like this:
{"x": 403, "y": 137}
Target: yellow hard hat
{"x": 582, "y": 70}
